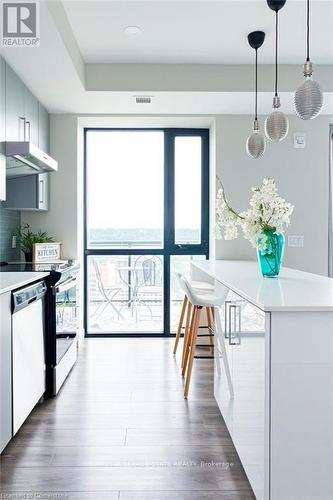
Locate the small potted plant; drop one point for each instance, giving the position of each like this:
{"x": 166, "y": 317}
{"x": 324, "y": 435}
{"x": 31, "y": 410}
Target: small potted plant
{"x": 27, "y": 238}
{"x": 263, "y": 224}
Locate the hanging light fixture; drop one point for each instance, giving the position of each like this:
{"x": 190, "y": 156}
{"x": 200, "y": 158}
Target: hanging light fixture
{"x": 308, "y": 99}
{"x": 256, "y": 144}
{"x": 277, "y": 124}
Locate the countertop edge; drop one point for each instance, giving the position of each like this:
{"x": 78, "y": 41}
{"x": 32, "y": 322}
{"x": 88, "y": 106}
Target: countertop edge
{"x": 265, "y": 308}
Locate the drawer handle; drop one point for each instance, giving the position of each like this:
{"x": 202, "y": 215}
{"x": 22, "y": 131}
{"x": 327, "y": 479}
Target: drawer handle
{"x": 234, "y": 325}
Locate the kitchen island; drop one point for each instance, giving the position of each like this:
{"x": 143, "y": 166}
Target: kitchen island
{"x": 278, "y": 337}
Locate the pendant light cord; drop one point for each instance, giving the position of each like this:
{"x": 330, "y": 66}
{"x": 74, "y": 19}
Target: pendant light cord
{"x": 276, "y": 51}
{"x": 308, "y": 30}
{"x": 256, "y": 85}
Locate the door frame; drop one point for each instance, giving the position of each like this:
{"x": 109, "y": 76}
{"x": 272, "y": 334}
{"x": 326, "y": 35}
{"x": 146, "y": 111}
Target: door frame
{"x": 169, "y": 248}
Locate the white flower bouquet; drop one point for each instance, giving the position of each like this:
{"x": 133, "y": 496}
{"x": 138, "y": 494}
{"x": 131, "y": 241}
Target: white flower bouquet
{"x": 268, "y": 216}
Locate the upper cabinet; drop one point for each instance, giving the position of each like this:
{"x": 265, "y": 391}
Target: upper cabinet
{"x": 15, "y": 96}
{"x": 22, "y": 118}
{"x": 43, "y": 129}
{"x": 31, "y": 106}
{"x": 22, "y": 111}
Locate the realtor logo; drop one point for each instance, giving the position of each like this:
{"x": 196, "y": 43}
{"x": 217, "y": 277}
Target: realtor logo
{"x": 20, "y": 24}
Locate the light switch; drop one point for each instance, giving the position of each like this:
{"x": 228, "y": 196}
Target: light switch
{"x": 295, "y": 240}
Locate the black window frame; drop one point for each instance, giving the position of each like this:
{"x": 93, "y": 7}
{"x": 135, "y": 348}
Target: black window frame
{"x": 169, "y": 247}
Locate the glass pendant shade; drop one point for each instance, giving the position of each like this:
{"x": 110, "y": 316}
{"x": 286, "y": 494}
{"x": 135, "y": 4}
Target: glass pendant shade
{"x": 277, "y": 124}
{"x": 256, "y": 144}
{"x": 308, "y": 99}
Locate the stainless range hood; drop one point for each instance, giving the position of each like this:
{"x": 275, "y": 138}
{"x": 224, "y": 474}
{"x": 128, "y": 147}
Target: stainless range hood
{"x": 24, "y": 158}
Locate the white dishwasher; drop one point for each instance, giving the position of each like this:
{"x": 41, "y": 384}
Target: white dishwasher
{"x": 28, "y": 350}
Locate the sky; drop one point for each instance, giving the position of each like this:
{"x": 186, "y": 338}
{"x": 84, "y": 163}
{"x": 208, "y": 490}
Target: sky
{"x": 125, "y": 179}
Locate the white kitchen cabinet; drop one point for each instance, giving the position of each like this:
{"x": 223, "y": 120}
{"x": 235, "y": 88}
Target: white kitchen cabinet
{"x": 278, "y": 336}
{"x": 245, "y": 334}
{"x": 5, "y": 371}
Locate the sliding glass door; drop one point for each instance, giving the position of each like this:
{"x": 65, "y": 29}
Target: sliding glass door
{"x": 146, "y": 217}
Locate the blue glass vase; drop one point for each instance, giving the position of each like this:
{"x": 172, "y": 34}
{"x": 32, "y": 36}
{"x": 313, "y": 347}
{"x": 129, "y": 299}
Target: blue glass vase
{"x": 270, "y": 259}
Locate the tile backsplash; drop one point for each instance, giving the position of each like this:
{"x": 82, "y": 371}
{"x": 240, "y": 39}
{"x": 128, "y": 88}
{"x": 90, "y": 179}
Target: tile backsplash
{"x": 9, "y": 220}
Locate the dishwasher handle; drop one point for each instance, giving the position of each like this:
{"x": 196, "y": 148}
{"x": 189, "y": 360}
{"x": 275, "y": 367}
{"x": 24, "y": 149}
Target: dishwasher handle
{"x": 25, "y": 296}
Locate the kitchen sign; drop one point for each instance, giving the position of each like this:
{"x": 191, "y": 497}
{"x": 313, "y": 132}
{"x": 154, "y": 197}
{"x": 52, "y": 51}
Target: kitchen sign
{"x": 46, "y": 252}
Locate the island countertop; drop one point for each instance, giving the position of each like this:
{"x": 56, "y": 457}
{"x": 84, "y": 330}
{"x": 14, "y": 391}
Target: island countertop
{"x": 11, "y": 281}
{"x": 293, "y": 290}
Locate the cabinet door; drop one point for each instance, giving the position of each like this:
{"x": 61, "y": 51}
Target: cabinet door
{"x": 15, "y": 92}
{"x": 5, "y": 371}
{"x": 31, "y": 116}
{"x": 2, "y": 129}
{"x": 246, "y": 332}
{"x": 28, "y": 193}
{"x": 44, "y": 129}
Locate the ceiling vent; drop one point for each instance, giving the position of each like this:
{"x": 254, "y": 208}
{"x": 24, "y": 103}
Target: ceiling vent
{"x": 143, "y": 99}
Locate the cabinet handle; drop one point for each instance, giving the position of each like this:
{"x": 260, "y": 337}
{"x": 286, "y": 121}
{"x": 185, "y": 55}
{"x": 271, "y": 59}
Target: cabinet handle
{"x": 22, "y": 120}
{"x": 227, "y": 320}
{"x": 27, "y": 123}
{"x": 235, "y": 339}
{"x": 41, "y": 192}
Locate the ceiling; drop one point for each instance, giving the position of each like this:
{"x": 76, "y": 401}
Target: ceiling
{"x": 75, "y": 34}
{"x": 198, "y": 32}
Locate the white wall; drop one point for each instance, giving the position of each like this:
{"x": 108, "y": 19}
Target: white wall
{"x": 302, "y": 179}
{"x": 301, "y": 175}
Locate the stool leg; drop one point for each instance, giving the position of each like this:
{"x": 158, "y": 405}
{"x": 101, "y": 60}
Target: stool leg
{"x": 187, "y": 331}
{"x": 180, "y": 324}
{"x": 218, "y": 327}
{"x": 188, "y": 340}
{"x": 192, "y": 345}
{"x": 209, "y": 326}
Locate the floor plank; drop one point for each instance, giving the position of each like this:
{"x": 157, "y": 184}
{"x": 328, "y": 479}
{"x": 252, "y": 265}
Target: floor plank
{"x": 120, "y": 429}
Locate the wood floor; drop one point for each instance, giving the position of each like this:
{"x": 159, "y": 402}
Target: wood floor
{"x": 121, "y": 430}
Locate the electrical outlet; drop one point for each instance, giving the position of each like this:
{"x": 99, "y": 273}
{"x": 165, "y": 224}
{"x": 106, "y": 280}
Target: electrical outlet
{"x": 14, "y": 241}
{"x": 295, "y": 240}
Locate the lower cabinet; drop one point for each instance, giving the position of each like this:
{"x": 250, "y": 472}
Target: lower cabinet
{"x": 5, "y": 371}
{"x": 243, "y": 344}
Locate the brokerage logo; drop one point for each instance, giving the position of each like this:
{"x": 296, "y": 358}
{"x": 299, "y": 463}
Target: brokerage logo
{"x": 20, "y": 24}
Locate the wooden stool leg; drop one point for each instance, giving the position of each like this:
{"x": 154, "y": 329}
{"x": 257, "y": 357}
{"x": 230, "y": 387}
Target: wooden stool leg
{"x": 188, "y": 340}
{"x": 180, "y": 324}
{"x": 209, "y": 326}
{"x": 187, "y": 331}
{"x": 191, "y": 349}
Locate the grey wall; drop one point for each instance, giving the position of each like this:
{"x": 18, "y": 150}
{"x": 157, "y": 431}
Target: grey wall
{"x": 9, "y": 220}
{"x": 302, "y": 179}
{"x": 61, "y": 221}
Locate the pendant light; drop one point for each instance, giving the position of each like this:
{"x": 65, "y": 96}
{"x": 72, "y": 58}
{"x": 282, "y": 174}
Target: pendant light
{"x": 308, "y": 99}
{"x": 277, "y": 124}
{"x": 256, "y": 144}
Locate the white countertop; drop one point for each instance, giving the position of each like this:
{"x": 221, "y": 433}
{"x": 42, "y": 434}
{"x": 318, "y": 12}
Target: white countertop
{"x": 292, "y": 291}
{"x": 10, "y": 281}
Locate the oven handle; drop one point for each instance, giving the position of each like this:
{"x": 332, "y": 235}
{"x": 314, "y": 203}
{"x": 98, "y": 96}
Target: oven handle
{"x": 66, "y": 285}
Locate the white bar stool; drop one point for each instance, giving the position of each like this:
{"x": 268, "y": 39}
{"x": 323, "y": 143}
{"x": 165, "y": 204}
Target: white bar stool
{"x": 201, "y": 287}
{"x": 198, "y": 301}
